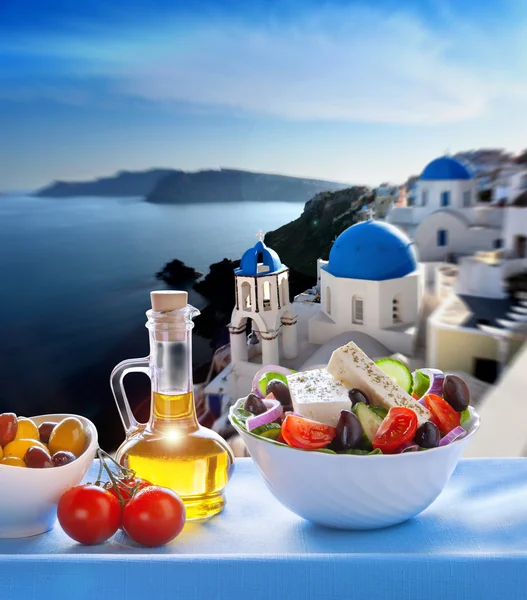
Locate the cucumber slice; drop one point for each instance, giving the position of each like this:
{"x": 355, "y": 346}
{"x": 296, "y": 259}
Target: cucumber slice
{"x": 269, "y": 431}
{"x": 326, "y": 450}
{"x": 379, "y": 410}
{"x": 241, "y": 415}
{"x": 397, "y": 371}
{"x": 369, "y": 420}
{"x": 464, "y": 416}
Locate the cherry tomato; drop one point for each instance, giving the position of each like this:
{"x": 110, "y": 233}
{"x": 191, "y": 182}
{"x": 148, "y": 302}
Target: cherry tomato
{"x": 443, "y": 415}
{"x": 89, "y": 514}
{"x": 154, "y": 516}
{"x": 304, "y": 433}
{"x": 398, "y": 427}
{"x": 128, "y": 487}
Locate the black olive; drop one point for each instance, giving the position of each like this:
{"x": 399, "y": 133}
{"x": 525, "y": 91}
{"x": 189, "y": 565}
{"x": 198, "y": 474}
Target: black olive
{"x": 427, "y": 435}
{"x": 349, "y": 431}
{"x": 281, "y": 392}
{"x": 456, "y": 392}
{"x": 356, "y": 395}
{"x": 254, "y": 405}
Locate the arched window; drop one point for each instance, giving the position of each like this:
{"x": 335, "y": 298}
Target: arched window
{"x": 267, "y": 295}
{"x": 424, "y": 197}
{"x": 442, "y": 237}
{"x": 285, "y": 294}
{"x": 328, "y": 300}
{"x": 445, "y": 198}
{"x": 357, "y": 307}
{"x": 260, "y": 266}
{"x": 246, "y": 296}
{"x": 396, "y": 310}
{"x": 466, "y": 198}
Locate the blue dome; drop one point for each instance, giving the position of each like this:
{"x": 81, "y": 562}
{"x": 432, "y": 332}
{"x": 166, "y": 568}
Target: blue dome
{"x": 261, "y": 255}
{"x": 445, "y": 168}
{"x": 372, "y": 250}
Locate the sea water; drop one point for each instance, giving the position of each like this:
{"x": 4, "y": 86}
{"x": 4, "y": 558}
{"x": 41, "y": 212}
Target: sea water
{"x": 75, "y": 277}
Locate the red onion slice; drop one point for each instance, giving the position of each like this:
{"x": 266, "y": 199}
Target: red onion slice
{"x": 456, "y": 434}
{"x": 274, "y": 411}
{"x": 267, "y": 369}
{"x": 407, "y": 447}
{"x": 437, "y": 378}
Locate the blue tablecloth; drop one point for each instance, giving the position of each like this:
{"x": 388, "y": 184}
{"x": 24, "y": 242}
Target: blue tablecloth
{"x": 471, "y": 543}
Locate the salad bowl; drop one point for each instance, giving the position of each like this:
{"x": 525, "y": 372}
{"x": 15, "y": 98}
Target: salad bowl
{"x": 29, "y": 497}
{"x": 354, "y": 492}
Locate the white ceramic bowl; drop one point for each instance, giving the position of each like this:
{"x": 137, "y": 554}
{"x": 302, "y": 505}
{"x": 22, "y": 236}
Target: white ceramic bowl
{"x": 29, "y": 497}
{"x": 355, "y": 492}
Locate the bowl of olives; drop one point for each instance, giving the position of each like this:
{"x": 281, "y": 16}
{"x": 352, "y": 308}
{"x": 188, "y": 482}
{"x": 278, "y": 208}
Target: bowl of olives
{"x": 40, "y": 458}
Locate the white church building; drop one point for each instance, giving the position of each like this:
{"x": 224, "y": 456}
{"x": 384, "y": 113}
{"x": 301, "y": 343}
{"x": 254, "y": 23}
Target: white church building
{"x": 371, "y": 284}
{"x": 369, "y": 291}
{"x": 262, "y": 295}
{"x": 446, "y": 218}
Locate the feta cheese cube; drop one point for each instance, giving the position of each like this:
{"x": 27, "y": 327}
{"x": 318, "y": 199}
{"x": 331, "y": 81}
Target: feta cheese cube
{"x": 317, "y": 395}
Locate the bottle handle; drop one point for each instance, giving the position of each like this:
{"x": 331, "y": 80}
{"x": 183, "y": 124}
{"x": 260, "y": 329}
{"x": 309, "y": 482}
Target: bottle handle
{"x": 133, "y": 365}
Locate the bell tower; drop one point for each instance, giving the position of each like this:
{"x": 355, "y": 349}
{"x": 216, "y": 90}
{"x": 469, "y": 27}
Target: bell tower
{"x": 262, "y": 295}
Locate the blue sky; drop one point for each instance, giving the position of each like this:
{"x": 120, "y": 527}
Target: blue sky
{"x": 352, "y": 91}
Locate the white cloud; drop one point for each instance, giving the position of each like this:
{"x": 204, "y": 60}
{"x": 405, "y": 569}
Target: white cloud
{"x": 352, "y": 66}
{"x": 331, "y": 64}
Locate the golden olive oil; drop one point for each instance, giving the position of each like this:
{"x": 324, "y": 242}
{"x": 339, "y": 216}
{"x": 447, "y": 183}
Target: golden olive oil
{"x": 178, "y": 453}
{"x": 172, "y": 450}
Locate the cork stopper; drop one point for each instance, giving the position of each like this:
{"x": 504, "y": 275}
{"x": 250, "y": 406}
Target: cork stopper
{"x": 167, "y": 300}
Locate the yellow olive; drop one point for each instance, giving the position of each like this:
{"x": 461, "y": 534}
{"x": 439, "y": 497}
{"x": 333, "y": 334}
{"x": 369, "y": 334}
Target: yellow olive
{"x": 19, "y": 448}
{"x": 68, "y": 435}
{"x": 27, "y": 430}
{"x": 1, "y": 453}
{"x": 13, "y": 461}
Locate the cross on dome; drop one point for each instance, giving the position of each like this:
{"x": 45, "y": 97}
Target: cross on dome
{"x": 260, "y": 235}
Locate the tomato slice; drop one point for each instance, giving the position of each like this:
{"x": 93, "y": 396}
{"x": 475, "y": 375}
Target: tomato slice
{"x": 443, "y": 415}
{"x": 304, "y": 433}
{"x": 399, "y": 426}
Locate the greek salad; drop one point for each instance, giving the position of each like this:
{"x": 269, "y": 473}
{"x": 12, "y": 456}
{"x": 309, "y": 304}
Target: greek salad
{"x": 356, "y": 406}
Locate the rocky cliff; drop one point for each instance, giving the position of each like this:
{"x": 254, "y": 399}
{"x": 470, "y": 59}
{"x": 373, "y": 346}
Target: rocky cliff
{"x": 170, "y": 186}
{"x": 301, "y": 242}
{"x": 228, "y": 185}
{"x": 123, "y": 183}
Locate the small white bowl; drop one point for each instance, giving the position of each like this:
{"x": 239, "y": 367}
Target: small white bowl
{"x": 355, "y": 492}
{"x": 29, "y": 497}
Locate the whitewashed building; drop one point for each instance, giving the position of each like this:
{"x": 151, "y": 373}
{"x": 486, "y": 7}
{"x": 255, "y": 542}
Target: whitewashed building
{"x": 369, "y": 292}
{"x": 446, "y": 219}
{"x": 444, "y": 183}
{"x": 262, "y": 296}
{"x": 479, "y": 328}
{"x": 372, "y": 284}
{"x": 450, "y": 233}
{"x": 385, "y": 197}
{"x": 511, "y": 182}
